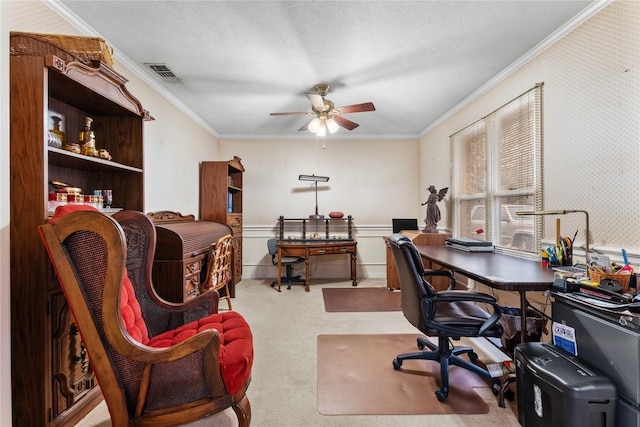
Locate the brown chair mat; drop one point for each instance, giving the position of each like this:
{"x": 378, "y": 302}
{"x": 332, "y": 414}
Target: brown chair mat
{"x": 356, "y": 377}
{"x": 360, "y": 299}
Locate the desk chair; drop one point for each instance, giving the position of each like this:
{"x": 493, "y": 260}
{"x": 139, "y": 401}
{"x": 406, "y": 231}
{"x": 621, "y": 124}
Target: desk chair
{"x": 287, "y": 261}
{"x": 448, "y": 314}
{"x": 219, "y": 267}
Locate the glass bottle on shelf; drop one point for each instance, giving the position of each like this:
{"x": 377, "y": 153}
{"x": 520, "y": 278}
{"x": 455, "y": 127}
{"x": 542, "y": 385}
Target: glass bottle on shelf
{"x": 56, "y": 131}
{"x": 88, "y": 139}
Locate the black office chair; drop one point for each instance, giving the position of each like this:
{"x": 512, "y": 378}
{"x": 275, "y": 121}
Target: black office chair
{"x": 448, "y": 314}
{"x": 287, "y": 261}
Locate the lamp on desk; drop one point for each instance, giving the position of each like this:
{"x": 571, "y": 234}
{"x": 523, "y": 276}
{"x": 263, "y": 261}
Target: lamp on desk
{"x": 315, "y": 180}
{"x": 561, "y": 212}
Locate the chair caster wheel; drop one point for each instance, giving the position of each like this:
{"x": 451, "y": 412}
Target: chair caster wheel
{"x": 495, "y": 389}
{"x": 441, "y": 395}
{"x": 396, "y": 364}
{"x": 509, "y": 394}
{"x": 473, "y": 356}
{"x": 420, "y": 345}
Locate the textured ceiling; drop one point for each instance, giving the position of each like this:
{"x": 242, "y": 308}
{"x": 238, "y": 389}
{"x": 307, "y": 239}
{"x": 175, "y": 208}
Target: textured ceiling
{"x": 238, "y": 61}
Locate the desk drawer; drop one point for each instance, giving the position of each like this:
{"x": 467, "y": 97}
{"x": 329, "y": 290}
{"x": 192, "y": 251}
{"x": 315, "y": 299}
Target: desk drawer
{"x": 345, "y": 250}
{"x": 332, "y": 250}
{"x": 320, "y": 251}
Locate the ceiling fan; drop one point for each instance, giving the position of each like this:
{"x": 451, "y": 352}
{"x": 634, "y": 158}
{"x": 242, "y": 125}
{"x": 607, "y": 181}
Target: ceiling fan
{"x": 327, "y": 116}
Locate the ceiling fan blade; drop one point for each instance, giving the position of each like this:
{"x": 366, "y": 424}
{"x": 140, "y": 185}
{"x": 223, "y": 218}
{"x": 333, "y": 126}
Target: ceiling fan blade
{"x": 356, "y": 108}
{"x": 347, "y": 124}
{"x": 299, "y": 113}
{"x": 305, "y": 126}
{"x": 316, "y": 100}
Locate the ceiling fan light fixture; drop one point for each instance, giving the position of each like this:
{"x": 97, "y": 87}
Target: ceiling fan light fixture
{"x": 322, "y": 130}
{"x": 332, "y": 125}
{"x": 314, "y": 125}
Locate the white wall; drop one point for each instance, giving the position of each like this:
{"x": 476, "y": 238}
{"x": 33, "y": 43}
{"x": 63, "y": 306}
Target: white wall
{"x": 591, "y": 103}
{"x": 373, "y": 181}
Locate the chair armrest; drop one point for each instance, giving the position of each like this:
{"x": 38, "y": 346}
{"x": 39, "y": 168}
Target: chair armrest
{"x": 208, "y": 301}
{"x": 441, "y": 273}
{"x": 465, "y": 296}
{"x": 460, "y": 295}
{"x": 434, "y": 272}
{"x": 154, "y": 355}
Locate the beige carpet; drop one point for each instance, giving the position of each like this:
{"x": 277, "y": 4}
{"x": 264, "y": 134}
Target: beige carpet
{"x": 356, "y": 377}
{"x": 360, "y": 299}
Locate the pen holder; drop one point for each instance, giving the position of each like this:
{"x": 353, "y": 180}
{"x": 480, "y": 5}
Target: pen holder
{"x": 622, "y": 277}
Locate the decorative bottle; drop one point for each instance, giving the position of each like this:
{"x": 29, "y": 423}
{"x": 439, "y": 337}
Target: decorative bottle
{"x": 88, "y": 139}
{"x": 56, "y": 130}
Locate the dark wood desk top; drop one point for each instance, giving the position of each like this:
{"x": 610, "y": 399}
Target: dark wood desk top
{"x": 499, "y": 271}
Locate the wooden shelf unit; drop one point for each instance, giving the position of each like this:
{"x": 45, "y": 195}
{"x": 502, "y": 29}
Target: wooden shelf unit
{"x": 221, "y": 201}
{"x": 52, "y": 380}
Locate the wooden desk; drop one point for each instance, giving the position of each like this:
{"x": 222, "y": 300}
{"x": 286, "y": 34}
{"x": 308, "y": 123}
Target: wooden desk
{"x": 498, "y": 271}
{"x": 308, "y": 248}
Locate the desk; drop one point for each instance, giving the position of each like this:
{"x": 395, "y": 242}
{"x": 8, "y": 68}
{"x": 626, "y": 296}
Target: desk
{"x": 498, "y": 271}
{"x": 315, "y": 247}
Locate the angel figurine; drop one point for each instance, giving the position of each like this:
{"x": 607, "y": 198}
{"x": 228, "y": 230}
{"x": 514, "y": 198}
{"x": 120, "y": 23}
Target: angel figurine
{"x": 433, "y": 212}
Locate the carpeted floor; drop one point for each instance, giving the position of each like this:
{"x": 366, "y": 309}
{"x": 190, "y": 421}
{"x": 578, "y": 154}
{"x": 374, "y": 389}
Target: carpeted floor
{"x": 360, "y": 299}
{"x": 356, "y": 377}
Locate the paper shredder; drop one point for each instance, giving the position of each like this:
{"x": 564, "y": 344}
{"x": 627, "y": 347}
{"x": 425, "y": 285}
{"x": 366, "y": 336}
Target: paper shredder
{"x": 556, "y": 389}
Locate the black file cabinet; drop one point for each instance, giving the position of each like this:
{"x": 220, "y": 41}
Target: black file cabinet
{"x": 610, "y": 342}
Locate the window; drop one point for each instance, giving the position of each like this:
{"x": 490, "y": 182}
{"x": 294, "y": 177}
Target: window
{"x": 497, "y": 171}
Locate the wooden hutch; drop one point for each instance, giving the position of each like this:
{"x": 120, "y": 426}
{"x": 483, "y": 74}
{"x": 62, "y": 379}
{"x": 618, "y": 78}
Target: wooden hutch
{"x": 221, "y": 201}
{"x": 52, "y": 380}
{"x": 418, "y": 238}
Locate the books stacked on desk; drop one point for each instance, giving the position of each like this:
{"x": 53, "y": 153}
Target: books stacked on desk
{"x": 468, "y": 245}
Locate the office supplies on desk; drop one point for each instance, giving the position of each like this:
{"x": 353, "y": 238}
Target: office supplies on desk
{"x": 572, "y": 269}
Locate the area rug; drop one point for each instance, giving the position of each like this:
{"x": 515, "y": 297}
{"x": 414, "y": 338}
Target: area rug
{"x": 360, "y": 299}
{"x": 356, "y": 377}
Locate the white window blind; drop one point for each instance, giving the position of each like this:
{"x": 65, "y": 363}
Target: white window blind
{"x": 497, "y": 171}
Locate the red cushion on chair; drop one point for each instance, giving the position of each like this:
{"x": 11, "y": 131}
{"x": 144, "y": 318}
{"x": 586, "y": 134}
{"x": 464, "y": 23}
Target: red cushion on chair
{"x": 236, "y": 344}
{"x": 131, "y": 313}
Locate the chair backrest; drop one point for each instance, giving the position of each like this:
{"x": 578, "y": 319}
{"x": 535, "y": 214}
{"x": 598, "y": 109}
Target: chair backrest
{"x": 140, "y": 234}
{"x": 219, "y": 264}
{"x": 88, "y": 253}
{"x": 414, "y": 288}
{"x": 272, "y": 246}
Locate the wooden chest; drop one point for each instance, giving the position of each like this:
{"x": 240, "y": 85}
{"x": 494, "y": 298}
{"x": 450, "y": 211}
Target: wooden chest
{"x": 181, "y": 256}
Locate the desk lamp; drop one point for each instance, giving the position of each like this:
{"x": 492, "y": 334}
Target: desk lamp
{"x": 561, "y": 212}
{"x": 315, "y": 180}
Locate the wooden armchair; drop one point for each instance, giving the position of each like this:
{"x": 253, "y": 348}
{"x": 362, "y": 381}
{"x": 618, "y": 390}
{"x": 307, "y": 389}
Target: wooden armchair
{"x": 148, "y": 376}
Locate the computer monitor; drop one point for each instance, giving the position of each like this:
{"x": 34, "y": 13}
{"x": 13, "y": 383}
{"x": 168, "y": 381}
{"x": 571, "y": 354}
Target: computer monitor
{"x": 400, "y": 224}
